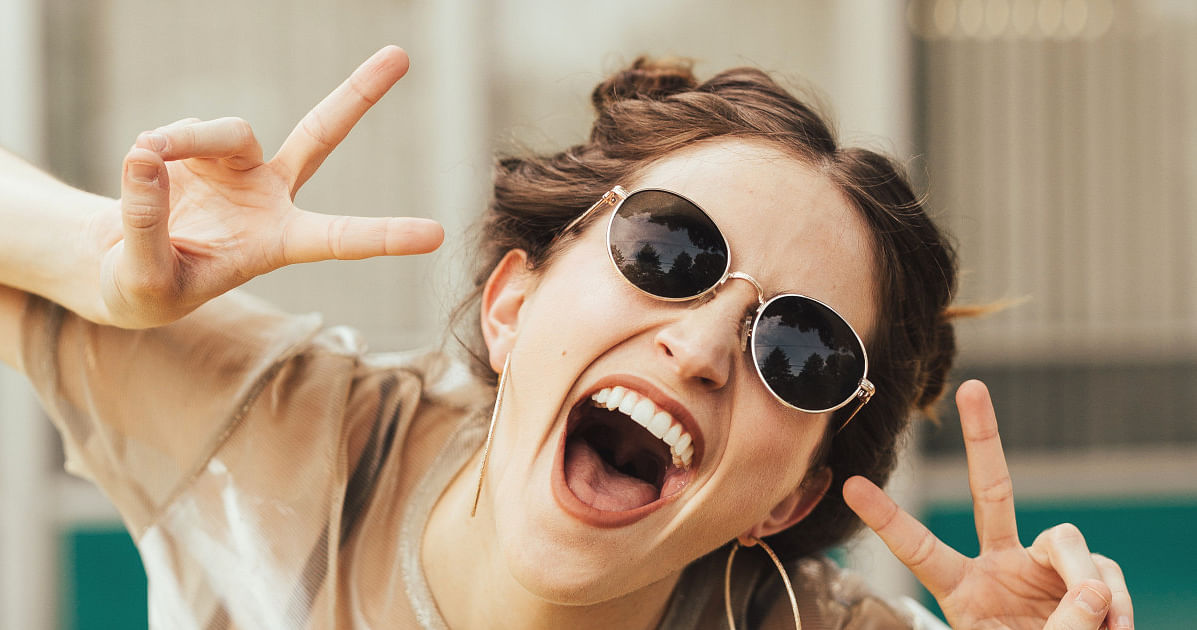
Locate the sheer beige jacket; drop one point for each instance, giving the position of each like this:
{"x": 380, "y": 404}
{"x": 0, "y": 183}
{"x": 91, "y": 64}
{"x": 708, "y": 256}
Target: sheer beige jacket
{"x": 274, "y": 476}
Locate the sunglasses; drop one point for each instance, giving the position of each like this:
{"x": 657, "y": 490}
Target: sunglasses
{"x": 807, "y": 355}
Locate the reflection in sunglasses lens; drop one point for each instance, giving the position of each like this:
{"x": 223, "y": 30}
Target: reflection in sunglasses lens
{"x": 807, "y": 354}
{"x": 666, "y": 246}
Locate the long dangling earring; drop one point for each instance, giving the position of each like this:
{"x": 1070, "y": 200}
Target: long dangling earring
{"x": 731, "y": 621}
{"x": 490, "y": 433}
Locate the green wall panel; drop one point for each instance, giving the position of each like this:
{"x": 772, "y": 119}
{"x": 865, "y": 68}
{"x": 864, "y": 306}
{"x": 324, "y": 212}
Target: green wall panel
{"x": 104, "y": 583}
{"x": 1152, "y": 539}
{"x": 105, "y": 588}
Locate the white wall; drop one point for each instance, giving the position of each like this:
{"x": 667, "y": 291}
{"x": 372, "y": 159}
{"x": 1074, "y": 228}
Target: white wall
{"x": 26, "y": 530}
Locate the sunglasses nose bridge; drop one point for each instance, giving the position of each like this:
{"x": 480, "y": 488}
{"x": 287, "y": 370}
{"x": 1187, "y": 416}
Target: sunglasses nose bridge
{"x": 740, "y": 275}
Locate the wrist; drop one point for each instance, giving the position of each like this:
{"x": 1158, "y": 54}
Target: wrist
{"x": 54, "y": 249}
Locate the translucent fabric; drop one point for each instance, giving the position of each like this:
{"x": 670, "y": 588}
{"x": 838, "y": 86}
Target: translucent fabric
{"x": 273, "y": 475}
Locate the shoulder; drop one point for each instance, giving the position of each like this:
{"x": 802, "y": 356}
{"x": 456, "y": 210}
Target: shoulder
{"x": 438, "y": 378}
{"x": 834, "y": 597}
{"x": 409, "y": 404}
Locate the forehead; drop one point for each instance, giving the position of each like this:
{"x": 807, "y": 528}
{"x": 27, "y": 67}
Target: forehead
{"x": 788, "y": 225}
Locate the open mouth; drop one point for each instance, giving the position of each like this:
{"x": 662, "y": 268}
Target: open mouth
{"x": 622, "y": 457}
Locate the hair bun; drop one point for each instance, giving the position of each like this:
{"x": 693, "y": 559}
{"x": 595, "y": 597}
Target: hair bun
{"x": 646, "y": 79}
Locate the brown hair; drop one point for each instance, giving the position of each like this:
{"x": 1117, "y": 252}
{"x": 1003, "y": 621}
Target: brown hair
{"x": 651, "y": 109}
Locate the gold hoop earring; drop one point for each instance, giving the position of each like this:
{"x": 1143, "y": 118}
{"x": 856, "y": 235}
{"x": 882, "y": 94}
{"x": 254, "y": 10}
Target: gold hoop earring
{"x": 785, "y": 578}
{"x": 490, "y": 433}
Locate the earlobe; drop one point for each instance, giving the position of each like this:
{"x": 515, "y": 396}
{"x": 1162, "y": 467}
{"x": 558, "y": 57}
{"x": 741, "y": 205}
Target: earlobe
{"x": 793, "y": 508}
{"x": 502, "y": 298}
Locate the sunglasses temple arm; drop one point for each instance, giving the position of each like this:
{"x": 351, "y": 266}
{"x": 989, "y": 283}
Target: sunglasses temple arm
{"x": 612, "y": 197}
{"x": 865, "y": 394}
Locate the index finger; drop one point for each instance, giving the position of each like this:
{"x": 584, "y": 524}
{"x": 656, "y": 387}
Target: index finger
{"x": 988, "y": 476}
{"x": 327, "y": 124}
{"x": 935, "y": 564}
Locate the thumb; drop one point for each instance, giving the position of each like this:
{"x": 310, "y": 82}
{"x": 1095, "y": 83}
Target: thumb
{"x": 145, "y": 208}
{"x": 1084, "y": 607}
{"x": 143, "y": 268}
{"x": 311, "y": 237}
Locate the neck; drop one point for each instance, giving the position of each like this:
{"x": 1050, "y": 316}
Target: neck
{"x": 473, "y": 587}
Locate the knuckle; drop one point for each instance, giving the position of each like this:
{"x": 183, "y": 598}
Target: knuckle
{"x": 336, "y": 236}
{"x": 999, "y": 490}
{"x": 315, "y": 128}
{"x": 889, "y": 518}
{"x": 922, "y": 550}
{"x": 356, "y": 84}
{"x": 1105, "y": 563}
{"x": 143, "y": 140}
{"x": 1067, "y": 533}
{"x": 982, "y": 434}
{"x": 243, "y": 132}
{"x": 140, "y": 216}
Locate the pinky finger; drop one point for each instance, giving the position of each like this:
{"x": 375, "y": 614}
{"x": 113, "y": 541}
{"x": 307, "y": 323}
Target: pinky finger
{"x": 311, "y": 237}
{"x": 1121, "y": 616}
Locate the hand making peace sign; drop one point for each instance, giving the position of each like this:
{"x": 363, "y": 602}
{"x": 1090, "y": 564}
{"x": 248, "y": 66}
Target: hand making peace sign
{"x": 1056, "y": 583}
{"x": 201, "y": 212}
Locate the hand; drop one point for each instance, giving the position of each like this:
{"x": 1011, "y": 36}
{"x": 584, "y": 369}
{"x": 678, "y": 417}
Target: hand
{"x": 1056, "y": 583}
{"x": 201, "y": 212}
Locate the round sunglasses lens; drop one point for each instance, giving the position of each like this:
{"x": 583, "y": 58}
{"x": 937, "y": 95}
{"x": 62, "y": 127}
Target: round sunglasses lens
{"x": 665, "y": 245}
{"x": 806, "y": 353}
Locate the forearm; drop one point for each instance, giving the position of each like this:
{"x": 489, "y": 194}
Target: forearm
{"x": 12, "y": 306}
{"x": 48, "y": 243}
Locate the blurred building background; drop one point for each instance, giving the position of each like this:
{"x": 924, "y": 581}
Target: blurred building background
{"x": 1055, "y": 138}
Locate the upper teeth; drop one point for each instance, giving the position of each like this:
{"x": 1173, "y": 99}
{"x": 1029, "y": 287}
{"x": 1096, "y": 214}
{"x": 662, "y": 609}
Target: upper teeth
{"x": 646, "y": 413}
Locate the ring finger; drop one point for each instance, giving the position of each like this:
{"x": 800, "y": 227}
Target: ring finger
{"x": 1063, "y": 548}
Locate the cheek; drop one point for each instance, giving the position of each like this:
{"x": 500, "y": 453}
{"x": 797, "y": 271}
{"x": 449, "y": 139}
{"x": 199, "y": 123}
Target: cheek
{"x": 576, "y": 312}
{"x": 580, "y": 308}
{"x": 769, "y": 459}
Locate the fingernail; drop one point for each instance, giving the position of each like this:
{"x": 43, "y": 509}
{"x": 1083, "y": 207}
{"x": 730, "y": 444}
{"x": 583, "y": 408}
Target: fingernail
{"x": 143, "y": 172}
{"x": 156, "y": 141}
{"x": 1092, "y": 601}
{"x": 1123, "y": 623}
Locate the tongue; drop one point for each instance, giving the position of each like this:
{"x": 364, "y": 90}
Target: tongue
{"x": 600, "y": 486}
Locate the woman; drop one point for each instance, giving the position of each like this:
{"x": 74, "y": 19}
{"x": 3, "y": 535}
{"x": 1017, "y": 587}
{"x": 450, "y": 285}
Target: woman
{"x": 651, "y": 415}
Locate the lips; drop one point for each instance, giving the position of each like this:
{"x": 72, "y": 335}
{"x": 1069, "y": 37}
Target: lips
{"x": 611, "y": 470}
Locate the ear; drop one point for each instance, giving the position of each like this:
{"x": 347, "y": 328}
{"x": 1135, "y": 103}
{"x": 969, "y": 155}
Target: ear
{"x": 502, "y": 298}
{"x": 793, "y": 508}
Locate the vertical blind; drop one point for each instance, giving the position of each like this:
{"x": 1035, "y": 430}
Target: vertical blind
{"x": 1060, "y": 144}
{"x": 1060, "y": 147}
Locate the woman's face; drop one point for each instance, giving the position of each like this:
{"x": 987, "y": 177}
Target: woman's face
{"x": 567, "y": 520}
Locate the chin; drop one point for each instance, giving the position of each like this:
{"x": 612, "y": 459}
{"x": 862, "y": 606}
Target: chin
{"x": 565, "y": 575}
{"x": 554, "y": 559}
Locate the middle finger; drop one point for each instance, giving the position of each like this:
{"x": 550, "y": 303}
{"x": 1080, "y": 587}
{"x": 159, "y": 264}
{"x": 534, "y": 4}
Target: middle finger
{"x": 327, "y": 124}
{"x": 988, "y": 475}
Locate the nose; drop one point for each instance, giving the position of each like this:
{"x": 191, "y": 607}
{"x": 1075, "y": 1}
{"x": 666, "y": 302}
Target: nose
{"x": 702, "y": 343}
